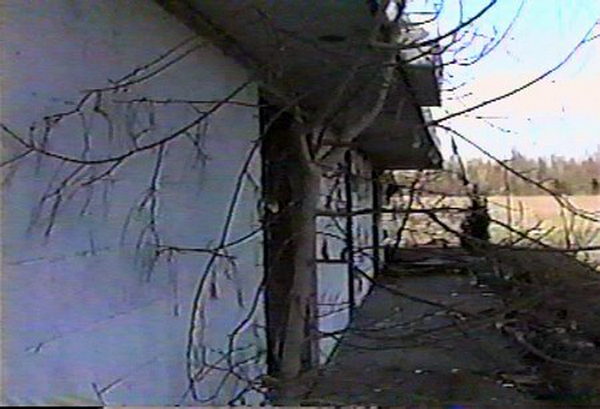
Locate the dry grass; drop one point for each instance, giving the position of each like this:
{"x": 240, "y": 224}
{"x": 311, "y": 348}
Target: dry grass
{"x": 529, "y": 210}
{"x": 540, "y": 217}
{"x": 554, "y": 225}
{"x": 544, "y": 207}
{"x": 562, "y": 320}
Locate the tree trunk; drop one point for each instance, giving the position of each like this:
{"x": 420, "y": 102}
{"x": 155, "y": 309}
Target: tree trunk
{"x": 300, "y": 327}
{"x": 291, "y": 192}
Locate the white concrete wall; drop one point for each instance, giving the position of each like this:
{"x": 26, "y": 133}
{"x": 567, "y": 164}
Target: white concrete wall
{"x": 333, "y": 285}
{"x": 80, "y": 307}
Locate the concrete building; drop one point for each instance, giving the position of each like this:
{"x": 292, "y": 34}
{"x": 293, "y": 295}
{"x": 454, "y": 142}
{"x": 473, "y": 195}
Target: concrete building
{"x": 142, "y": 148}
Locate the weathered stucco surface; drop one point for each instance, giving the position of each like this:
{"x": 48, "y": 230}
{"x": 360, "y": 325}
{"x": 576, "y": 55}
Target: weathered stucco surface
{"x": 81, "y": 307}
{"x": 333, "y": 285}
{"x": 88, "y": 315}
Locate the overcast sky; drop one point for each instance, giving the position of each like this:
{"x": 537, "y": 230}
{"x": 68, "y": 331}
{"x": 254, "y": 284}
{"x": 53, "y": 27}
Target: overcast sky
{"x": 561, "y": 114}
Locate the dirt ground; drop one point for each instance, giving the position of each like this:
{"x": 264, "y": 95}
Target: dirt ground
{"x": 517, "y": 330}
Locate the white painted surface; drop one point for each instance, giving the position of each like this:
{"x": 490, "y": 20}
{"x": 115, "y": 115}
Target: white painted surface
{"x": 333, "y": 288}
{"x": 80, "y": 308}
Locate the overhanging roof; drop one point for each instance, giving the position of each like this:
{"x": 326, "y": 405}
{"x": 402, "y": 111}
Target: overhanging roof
{"x": 305, "y": 49}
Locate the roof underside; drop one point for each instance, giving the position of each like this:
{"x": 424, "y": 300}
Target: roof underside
{"x": 305, "y": 50}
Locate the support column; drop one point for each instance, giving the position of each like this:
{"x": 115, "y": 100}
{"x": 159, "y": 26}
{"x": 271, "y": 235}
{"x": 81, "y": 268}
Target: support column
{"x": 349, "y": 232}
{"x": 376, "y": 222}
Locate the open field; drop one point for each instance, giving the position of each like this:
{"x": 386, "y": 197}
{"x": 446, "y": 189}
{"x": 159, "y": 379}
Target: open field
{"x": 542, "y": 208}
{"x": 539, "y": 217}
{"x": 549, "y": 218}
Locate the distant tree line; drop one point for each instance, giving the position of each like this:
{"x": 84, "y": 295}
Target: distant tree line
{"x": 562, "y": 175}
